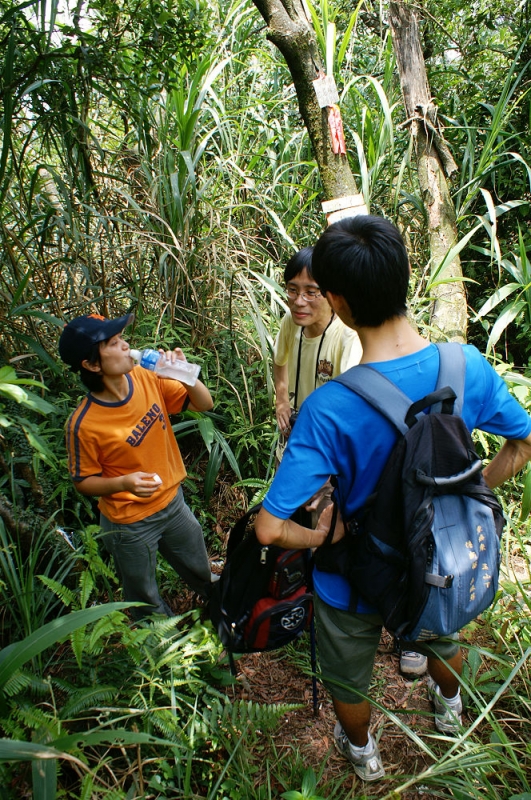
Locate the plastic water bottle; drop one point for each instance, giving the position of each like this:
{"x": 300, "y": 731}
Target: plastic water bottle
{"x": 156, "y": 362}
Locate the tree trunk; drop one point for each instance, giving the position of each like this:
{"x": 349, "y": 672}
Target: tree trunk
{"x": 449, "y": 314}
{"x": 288, "y": 28}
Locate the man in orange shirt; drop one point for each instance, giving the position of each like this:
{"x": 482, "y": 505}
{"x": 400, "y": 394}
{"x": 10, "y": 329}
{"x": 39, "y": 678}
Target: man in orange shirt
{"x": 121, "y": 448}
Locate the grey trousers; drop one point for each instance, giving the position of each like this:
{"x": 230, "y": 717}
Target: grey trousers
{"x": 176, "y": 534}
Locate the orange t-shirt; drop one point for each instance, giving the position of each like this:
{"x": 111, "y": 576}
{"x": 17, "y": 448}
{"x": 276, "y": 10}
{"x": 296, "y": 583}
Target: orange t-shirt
{"x": 134, "y": 435}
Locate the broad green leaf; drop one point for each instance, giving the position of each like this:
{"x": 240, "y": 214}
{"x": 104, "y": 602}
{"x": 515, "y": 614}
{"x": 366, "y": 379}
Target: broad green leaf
{"x": 212, "y": 469}
{"x": 44, "y": 775}
{"x": 348, "y": 33}
{"x": 14, "y": 750}
{"x": 37, "y": 442}
{"x": 39, "y": 350}
{"x": 37, "y": 85}
{"x": 26, "y": 398}
{"x": 111, "y": 736}
{"x": 186, "y": 425}
{"x": 496, "y": 298}
{"x": 330, "y": 47}
{"x": 508, "y": 314}
{"x": 15, "y": 655}
{"x": 309, "y": 783}
{"x": 7, "y": 375}
{"x": 207, "y": 431}
{"x": 452, "y": 254}
{"x": 14, "y": 392}
{"x": 229, "y": 455}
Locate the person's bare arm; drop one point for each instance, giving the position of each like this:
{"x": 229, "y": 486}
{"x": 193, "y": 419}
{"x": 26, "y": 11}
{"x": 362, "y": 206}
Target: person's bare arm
{"x": 283, "y": 410}
{"x": 141, "y": 484}
{"x": 289, "y": 534}
{"x": 200, "y": 397}
{"x": 513, "y": 455}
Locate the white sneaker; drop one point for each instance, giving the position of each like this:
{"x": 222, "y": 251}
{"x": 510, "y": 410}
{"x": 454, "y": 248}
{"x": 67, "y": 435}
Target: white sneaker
{"x": 447, "y": 712}
{"x": 412, "y": 663}
{"x": 367, "y": 766}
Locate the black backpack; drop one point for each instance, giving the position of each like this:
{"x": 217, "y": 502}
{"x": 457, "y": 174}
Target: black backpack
{"x": 262, "y": 600}
{"x": 425, "y": 548}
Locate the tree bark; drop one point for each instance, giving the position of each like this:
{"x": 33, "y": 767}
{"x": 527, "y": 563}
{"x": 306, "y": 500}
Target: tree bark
{"x": 449, "y": 311}
{"x": 288, "y": 28}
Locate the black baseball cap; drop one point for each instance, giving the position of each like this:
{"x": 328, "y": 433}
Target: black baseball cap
{"x": 81, "y": 334}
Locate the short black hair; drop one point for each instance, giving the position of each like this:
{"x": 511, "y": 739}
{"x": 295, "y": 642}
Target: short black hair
{"x": 92, "y": 380}
{"x": 364, "y": 259}
{"x": 298, "y": 262}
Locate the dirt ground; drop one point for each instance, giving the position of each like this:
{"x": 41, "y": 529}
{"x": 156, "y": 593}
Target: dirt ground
{"x": 273, "y": 678}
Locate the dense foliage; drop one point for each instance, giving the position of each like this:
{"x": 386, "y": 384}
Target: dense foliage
{"x": 152, "y": 159}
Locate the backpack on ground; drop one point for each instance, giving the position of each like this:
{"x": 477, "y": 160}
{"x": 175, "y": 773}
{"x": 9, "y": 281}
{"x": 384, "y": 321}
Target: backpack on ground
{"x": 425, "y": 549}
{"x": 262, "y": 600}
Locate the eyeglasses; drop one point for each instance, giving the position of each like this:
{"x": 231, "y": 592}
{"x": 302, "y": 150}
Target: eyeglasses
{"x": 309, "y": 295}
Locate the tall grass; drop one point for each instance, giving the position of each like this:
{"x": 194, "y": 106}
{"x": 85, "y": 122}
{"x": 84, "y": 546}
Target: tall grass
{"x": 25, "y": 604}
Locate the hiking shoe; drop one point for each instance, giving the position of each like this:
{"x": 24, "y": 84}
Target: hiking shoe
{"x": 412, "y": 663}
{"x": 367, "y": 766}
{"x": 447, "y": 712}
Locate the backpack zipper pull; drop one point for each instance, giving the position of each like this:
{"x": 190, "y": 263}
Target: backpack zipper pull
{"x": 263, "y": 555}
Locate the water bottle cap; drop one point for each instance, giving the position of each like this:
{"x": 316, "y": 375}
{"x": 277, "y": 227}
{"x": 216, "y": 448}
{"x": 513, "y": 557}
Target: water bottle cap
{"x": 136, "y": 355}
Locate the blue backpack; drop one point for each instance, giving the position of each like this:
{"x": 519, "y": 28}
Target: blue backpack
{"x": 425, "y": 548}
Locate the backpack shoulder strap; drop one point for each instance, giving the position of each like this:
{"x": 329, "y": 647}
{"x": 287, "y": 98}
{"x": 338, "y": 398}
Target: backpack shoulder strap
{"x": 238, "y": 531}
{"x": 452, "y": 369}
{"x": 379, "y": 392}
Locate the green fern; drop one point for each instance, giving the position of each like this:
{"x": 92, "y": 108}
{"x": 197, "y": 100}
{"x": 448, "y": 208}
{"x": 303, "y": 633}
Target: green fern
{"x": 35, "y": 717}
{"x": 104, "y": 629}
{"x": 65, "y": 595}
{"x": 115, "y": 794}
{"x": 77, "y": 640}
{"x": 61, "y": 685}
{"x": 87, "y": 788}
{"x": 261, "y": 487}
{"x": 17, "y": 682}
{"x": 165, "y": 721}
{"x": 244, "y": 711}
{"x": 39, "y": 685}
{"x": 86, "y": 585}
{"x": 87, "y": 699}
{"x": 161, "y": 626}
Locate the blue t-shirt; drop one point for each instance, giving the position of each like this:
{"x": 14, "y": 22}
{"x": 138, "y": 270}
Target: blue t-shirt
{"x": 338, "y": 433}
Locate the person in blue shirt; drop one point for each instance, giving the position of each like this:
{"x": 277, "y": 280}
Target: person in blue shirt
{"x": 361, "y": 265}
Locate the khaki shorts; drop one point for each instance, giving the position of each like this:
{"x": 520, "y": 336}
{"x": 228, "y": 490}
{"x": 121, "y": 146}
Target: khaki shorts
{"x": 348, "y": 643}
